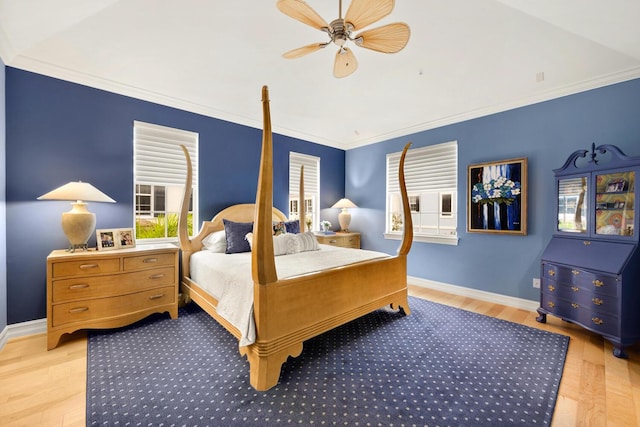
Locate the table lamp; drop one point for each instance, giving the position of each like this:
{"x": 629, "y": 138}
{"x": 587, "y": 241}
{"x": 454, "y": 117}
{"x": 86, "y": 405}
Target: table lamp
{"x": 78, "y": 224}
{"x": 344, "y": 218}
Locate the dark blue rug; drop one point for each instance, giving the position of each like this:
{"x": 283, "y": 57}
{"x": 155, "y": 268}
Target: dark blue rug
{"x": 440, "y": 366}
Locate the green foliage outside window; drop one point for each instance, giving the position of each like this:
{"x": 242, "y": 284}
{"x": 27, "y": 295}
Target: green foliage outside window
{"x": 155, "y": 228}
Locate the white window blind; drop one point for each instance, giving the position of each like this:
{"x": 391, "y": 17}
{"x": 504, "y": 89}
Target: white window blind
{"x": 311, "y": 186}
{"x": 431, "y": 175}
{"x": 158, "y": 158}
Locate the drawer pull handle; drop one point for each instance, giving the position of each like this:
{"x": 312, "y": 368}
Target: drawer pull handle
{"x": 597, "y": 301}
{"x": 333, "y": 241}
{"x": 150, "y": 260}
{"x": 157, "y": 276}
{"x": 79, "y": 310}
{"x": 575, "y": 272}
{"x": 597, "y": 320}
{"x": 79, "y": 286}
{"x": 158, "y": 296}
{"x": 598, "y": 283}
{"x": 552, "y": 273}
{"x": 551, "y": 304}
{"x": 552, "y": 288}
{"x": 574, "y": 305}
{"x": 575, "y": 288}
{"x": 586, "y": 243}
{"x": 88, "y": 266}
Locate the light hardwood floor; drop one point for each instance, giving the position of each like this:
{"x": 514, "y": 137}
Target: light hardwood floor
{"x": 48, "y": 388}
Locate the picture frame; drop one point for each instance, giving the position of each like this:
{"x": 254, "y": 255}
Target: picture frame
{"x": 115, "y": 238}
{"x": 497, "y": 197}
{"x": 616, "y": 186}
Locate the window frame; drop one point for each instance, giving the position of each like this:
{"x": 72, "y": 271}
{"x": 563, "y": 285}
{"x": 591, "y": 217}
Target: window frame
{"x": 158, "y": 162}
{"x": 431, "y": 175}
{"x": 311, "y": 186}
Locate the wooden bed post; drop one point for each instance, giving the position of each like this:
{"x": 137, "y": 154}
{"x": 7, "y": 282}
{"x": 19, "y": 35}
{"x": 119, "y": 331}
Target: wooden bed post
{"x": 407, "y": 235}
{"x": 302, "y": 209}
{"x": 183, "y": 230}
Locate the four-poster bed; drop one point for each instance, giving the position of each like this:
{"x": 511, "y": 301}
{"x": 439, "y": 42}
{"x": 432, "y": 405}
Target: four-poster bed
{"x": 287, "y": 308}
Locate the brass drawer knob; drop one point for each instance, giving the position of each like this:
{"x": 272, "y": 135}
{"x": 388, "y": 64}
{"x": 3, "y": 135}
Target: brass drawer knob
{"x": 586, "y": 243}
{"x": 552, "y": 273}
{"x": 575, "y": 272}
{"x": 574, "y": 305}
{"x": 551, "y": 304}
{"x": 598, "y": 283}
{"x": 575, "y": 288}
{"x": 597, "y": 320}
{"x": 552, "y": 288}
{"x": 597, "y": 301}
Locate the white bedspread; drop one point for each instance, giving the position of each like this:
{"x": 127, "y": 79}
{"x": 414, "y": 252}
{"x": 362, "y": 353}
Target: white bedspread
{"x": 227, "y": 277}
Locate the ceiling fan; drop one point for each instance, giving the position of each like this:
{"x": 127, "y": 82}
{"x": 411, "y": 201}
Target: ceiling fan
{"x": 390, "y": 38}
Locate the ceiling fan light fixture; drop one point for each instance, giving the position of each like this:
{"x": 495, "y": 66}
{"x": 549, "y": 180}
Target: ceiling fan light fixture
{"x": 389, "y": 38}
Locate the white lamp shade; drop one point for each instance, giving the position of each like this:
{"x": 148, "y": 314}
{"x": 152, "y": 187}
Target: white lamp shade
{"x": 78, "y": 224}
{"x": 77, "y": 191}
{"x": 344, "y": 203}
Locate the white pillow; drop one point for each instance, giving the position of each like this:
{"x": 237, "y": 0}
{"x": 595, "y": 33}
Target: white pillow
{"x": 307, "y": 241}
{"x": 283, "y": 244}
{"x": 215, "y": 242}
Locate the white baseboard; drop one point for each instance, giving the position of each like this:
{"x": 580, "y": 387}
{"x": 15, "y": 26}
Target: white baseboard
{"x": 31, "y": 327}
{"x": 524, "y": 304}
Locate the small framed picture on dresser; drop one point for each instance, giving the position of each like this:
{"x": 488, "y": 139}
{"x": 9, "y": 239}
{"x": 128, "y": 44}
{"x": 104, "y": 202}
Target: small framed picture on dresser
{"x": 106, "y": 240}
{"x": 115, "y": 238}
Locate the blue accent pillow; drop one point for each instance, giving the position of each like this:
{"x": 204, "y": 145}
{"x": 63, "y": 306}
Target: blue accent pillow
{"x": 235, "y": 233}
{"x": 292, "y": 226}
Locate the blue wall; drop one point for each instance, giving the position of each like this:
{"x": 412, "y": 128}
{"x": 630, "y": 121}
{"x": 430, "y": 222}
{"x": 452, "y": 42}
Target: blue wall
{"x": 59, "y": 132}
{"x": 3, "y": 222}
{"x": 546, "y": 133}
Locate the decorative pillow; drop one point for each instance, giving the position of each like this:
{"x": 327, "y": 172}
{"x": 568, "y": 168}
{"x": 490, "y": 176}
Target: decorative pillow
{"x": 292, "y": 226}
{"x": 307, "y": 241}
{"x": 279, "y": 228}
{"x": 215, "y": 242}
{"x": 235, "y": 233}
{"x": 283, "y": 244}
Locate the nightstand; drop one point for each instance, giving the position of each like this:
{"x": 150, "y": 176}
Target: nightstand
{"x": 345, "y": 240}
{"x": 109, "y": 289}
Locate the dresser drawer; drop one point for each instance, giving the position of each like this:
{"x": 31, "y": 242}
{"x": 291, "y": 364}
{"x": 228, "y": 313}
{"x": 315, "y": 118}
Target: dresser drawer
{"x": 107, "y": 286}
{"x": 600, "y": 283}
{"x": 148, "y": 261}
{"x": 86, "y": 267}
{"x": 585, "y": 297}
{"x": 593, "y": 319}
{"x": 80, "y": 311}
{"x": 344, "y": 241}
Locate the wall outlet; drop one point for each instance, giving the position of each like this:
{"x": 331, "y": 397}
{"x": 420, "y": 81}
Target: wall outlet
{"x": 536, "y": 283}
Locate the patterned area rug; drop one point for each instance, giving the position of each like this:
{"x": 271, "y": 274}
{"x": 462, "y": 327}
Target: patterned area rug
{"x": 440, "y": 366}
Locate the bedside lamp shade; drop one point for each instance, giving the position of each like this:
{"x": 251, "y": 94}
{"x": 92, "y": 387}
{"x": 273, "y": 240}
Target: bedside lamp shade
{"x": 344, "y": 218}
{"x": 78, "y": 224}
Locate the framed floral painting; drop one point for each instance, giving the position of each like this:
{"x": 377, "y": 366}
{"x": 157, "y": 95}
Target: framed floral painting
{"x": 497, "y": 197}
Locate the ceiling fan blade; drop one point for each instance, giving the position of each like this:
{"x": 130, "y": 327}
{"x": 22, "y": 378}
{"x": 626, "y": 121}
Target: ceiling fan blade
{"x": 345, "y": 63}
{"x": 389, "y": 38}
{"x": 304, "y": 50}
{"x": 301, "y": 11}
{"x": 365, "y": 12}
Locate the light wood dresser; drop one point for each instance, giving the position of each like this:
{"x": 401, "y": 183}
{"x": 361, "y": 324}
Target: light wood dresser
{"x": 108, "y": 289}
{"x": 345, "y": 240}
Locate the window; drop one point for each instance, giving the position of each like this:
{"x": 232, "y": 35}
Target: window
{"x": 311, "y": 188}
{"x": 431, "y": 175}
{"x": 159, "y": 174}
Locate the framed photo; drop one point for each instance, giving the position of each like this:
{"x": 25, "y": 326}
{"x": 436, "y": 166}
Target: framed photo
{"x": 616, "y": 186}
{"x": 115, "y": 238}
{"x": 497, "y": 197}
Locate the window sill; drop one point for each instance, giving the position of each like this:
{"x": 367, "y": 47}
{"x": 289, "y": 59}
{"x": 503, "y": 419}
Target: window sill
{"x": 424, "y": 238}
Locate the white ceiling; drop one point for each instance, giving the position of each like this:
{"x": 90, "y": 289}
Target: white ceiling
{"x": 465, "y": 59}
